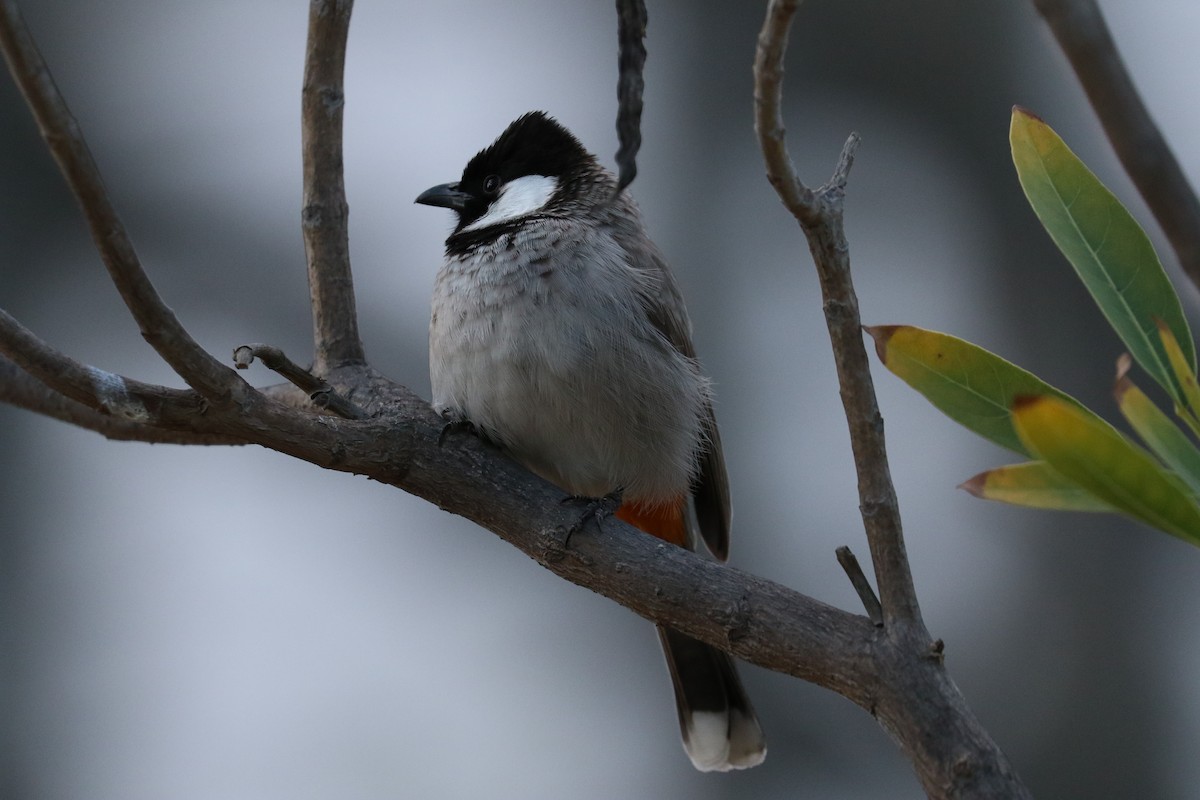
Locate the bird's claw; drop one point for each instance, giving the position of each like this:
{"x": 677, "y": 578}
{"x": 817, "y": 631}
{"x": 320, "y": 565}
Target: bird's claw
{"x": 455, "y": 423}
{"x": 595, "y": 509}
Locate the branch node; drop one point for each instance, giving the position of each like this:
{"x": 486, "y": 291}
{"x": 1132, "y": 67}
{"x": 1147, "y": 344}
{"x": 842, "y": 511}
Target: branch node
{"x": 841, "y": 172}
{"x": 820, "y": 216}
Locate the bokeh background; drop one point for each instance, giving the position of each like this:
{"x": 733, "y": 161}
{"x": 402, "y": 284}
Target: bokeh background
{"x": 201, "y": 623}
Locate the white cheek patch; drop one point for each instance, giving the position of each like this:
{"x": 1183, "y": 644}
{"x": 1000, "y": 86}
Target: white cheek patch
{"x": 519, "y": 197}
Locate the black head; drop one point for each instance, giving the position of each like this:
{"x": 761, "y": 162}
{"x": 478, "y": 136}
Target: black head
{"x": 535, "y": 148}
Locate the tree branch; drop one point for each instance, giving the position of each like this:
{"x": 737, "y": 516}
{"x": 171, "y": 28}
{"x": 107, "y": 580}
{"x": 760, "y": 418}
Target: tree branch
{"x": 951, "y": 752}
{"x": 758, "y": 620}
{"x": 326, "y": 214}
{"x": 1084, "y": 37}
{"x": 152, "y": 410}
{"x": 19, "y": 388}
{"x": 820, "y": 215}
{"x": 319, "y": 392}
{"x": 157, "y": 322}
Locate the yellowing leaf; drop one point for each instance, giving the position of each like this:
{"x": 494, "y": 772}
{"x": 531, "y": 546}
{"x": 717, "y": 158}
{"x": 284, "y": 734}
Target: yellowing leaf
{"x": 1189, "y": 407}
{"x": 1092, "y": 454}
{"x": 1159, "y": 433}
{"x": 970, "y": 385}
{"x": 1034, "y": 484}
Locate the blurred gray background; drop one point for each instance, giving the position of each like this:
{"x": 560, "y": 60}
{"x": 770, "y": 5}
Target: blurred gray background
{"x": 203, "y": 623}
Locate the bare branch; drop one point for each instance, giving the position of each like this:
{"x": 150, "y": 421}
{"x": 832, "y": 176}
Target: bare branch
{"x": 820, "y": 215}
{"x": 326, "y": 214}
{"x": 320, "y": 392}
{"x": 762, "y": 622}
{"x": 157, "y": 322}
{"x": 1084, "y": 37}
{"x": 20, "y": 389}
{"x": 951, "y": 752}
{"x": 768, "y": 112}
{"x": 151, "y": 410}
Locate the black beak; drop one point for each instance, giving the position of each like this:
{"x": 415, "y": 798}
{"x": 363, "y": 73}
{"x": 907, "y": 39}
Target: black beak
{"x": 447, "y": 195}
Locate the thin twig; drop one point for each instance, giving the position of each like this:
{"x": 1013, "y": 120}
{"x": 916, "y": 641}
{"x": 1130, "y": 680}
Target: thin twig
{"x": 1084, "y": 37}
{"x": 861, "y": 585}
{"x": 325, "y": 218}
{"x": 320, "y": 392}
{"x": 820, "y": 215}
{"x": 157, "y": 322}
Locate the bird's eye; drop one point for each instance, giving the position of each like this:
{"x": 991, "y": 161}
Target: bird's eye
{"x": 491, "y": 183}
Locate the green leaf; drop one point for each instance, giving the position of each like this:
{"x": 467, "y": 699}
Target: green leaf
{"x": 1092, "y": 454}
{"x": 972, "y": 386}
{"x": 1105, "y": 245}
{"x": 1034, "y": 484}
{"x": 1157, "y": 430}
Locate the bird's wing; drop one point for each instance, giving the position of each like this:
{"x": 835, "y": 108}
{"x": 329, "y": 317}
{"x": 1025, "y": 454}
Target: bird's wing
{"x": 666, "y": 311}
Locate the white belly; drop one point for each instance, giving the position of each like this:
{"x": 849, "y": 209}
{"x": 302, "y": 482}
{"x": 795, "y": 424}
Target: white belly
{"x": 562, "y": 367}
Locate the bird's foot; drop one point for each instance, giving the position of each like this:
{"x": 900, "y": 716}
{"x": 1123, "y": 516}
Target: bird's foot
{"x": 594, "y": 509}
{"x": 455, "y": 423}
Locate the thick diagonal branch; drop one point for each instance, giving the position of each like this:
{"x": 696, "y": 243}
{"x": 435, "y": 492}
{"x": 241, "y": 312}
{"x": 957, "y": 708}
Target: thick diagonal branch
{"x": 326, "y": 214}
{"x": 1084, "y": 37}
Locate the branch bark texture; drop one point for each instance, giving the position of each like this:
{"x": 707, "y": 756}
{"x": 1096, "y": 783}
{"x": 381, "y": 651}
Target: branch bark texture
{"x": 326, "y": 215}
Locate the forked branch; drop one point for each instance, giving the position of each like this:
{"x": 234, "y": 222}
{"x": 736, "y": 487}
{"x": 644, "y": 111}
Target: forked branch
{"x": 159, "y": 326}
{"x": 914, "y": 699}
{"x": 820, "y": 215}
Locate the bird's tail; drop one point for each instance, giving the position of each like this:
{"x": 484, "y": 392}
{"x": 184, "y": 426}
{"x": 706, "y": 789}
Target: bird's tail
{"x": 719, "y": 727}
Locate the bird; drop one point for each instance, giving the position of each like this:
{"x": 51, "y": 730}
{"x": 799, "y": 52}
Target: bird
{"x": 558, "y": 333}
